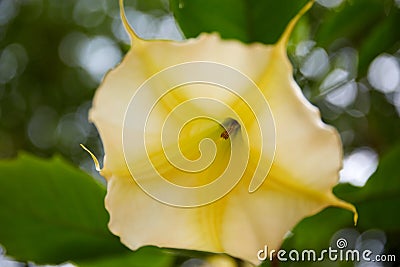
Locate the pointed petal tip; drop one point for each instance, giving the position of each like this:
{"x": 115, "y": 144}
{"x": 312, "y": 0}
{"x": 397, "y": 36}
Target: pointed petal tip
{"x": 96, "y": 162}
{"x": 349, "y": 207}
{"x": 292, "y": 23}
{"x": 355, "y": 215}
{"x": 131, "y": 32}
{"x": 355, "y": 218}
{"x": 353, "y": 209}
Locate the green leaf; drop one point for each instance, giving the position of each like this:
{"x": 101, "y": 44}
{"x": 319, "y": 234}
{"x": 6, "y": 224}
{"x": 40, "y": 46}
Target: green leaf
{"x": 51, "y": 212}
{"x": 245, "y": 20}
{"x": 144, "y": 257}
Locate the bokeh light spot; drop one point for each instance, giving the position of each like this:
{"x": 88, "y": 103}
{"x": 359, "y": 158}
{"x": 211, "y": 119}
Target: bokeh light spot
{"x": 89, "y": 13}
{"x": 343, "y": 96}
{"x": 335, "y": 78}
{"x": 98, "y": 55}
{"x": 42, "y": 126}
{"x": 330, "y": 3}
{"x": 8, "y": 10}
{"x": 316, "y": 64}
{"x": 13, "y": 60}
{"x": 384, "y": 73}
{"x": 70, "y": 46}
{"x": 71, "y": 132}
{"x": 359, "y": 166}
{"x": 303, "y": 48}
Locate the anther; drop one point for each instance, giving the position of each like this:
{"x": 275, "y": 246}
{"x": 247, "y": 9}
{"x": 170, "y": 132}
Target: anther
{"x": 231, "y": 126}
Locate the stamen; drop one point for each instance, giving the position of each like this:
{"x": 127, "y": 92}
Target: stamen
{"x": 225, "y": 135}
{"x": 231, "y": 127}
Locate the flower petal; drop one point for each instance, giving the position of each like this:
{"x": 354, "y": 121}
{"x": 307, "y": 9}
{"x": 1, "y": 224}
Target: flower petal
{"x": 305, "y": 167}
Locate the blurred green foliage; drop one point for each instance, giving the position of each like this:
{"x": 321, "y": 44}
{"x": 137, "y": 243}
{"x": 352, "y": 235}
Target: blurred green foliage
{"x": 248, "y": 21}
{"x": 53, "y": 55}
{"x": 57, "y": 208}
{"x": 49, "y": 71}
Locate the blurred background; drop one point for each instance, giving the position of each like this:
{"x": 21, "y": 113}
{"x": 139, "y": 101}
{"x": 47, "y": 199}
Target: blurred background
{"x": 54, "y": 54}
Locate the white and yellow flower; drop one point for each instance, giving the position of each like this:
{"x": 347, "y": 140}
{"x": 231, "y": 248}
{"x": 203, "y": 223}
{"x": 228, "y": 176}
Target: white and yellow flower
{"x": 303, "y": 161}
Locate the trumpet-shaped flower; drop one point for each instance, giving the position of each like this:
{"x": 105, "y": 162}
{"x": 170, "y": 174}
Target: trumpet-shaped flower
{"x": 210, "y": 145}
